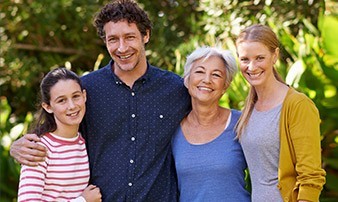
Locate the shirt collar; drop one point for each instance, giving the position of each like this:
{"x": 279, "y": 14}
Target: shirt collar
{"x": 144, "y": 78}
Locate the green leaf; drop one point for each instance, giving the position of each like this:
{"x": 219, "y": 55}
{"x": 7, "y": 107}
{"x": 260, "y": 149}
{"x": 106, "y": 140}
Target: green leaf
{"x": 332, "y": 182}
{"x": 330, "y": 33}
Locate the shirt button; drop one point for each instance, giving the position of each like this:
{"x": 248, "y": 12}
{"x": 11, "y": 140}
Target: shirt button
{"x": 131, "y": 161}
{"x": 132, "y": 93}
{"x": 161, "y": 116}
{"x": 133, "y": 115}
{"x": 130, "y": 184}
{"x": 133, "y": 139}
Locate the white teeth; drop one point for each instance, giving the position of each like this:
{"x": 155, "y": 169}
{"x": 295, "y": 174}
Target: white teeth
{"x": 125, "y": 56}
{"x": 254, "y": 75}
{"x": 73, "y": 114}
{"x": 205, "y": 88}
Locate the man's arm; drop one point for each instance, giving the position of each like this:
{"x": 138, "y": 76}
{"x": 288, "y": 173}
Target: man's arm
{"x": 27, "y": 151}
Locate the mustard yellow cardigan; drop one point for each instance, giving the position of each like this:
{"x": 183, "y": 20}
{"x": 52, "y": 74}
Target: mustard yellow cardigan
{"x": 300, "y": 174}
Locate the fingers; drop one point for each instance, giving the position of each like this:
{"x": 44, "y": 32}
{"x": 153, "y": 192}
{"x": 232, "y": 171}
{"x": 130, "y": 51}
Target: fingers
{"x": 30, "y": 157}
{"x": 30, "y": 140}
{"x": 92, "y": 193}
{"x": 94, "y": 188}
{"x": 26, "y": 151}
{"x": 34, "y": 148}
{"x": 24, "y": 161}
{"x": 91, "y": 186}
{"x": 32, "y": 137}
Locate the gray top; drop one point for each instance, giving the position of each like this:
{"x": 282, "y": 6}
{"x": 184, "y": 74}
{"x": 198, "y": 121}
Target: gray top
{"x": 260, "y": 143}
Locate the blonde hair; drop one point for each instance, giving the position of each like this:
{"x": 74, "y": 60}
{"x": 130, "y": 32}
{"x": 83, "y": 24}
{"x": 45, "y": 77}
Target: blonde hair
{"x": 262, "y": 34}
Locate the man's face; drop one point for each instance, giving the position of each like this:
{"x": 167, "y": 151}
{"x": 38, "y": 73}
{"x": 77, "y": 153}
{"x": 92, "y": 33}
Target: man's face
{"x": 126, "y": 46}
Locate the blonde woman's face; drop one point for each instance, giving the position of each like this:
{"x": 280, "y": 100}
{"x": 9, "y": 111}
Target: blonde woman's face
{"x": 256, "y": 62}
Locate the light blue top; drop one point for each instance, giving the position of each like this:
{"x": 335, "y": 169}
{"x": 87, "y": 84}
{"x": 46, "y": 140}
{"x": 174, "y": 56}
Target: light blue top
{"x": 213, "y": 171}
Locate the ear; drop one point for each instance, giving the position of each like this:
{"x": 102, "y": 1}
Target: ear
{"x": 226, "y": 85}
{"x": 47, "y": 107}
{"x": 146, "y": 37}
{"x": 276, "y": 55}
{"x": 84, "y": 93}
{"x": 186, "y": 81}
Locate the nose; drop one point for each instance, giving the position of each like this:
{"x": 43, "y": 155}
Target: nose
{"x": 206, "y": 78}
{"x": 122, "y": 46}
{"x": 251, "y": 66}
{"x": 71, "y": 104}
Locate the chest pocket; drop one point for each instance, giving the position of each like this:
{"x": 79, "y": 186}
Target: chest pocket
{"x": 162, "y": 128}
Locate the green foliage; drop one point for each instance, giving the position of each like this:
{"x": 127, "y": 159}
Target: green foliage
{"x": 36, "y": 36}
{"x": 10, "y": 130}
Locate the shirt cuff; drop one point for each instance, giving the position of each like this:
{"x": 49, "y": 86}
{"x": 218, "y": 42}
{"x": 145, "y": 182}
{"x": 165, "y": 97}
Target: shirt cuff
{"x": 79, "y": 199}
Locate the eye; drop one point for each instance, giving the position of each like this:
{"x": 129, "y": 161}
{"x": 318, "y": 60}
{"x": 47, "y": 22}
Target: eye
{"x": 60, "y": 101}
{"x": 77, "y": 96}
{"x": 199, "y": 71}
{"x": 260, "y": 58}
{"x": 216, "y": 75}
{"x": 112, "y": 40}
{"x": 131, "y": 37}
{"x": 244, "y": 60}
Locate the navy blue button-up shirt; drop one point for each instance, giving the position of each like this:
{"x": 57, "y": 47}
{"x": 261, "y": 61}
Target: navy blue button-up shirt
{"x": 128, "y": 133}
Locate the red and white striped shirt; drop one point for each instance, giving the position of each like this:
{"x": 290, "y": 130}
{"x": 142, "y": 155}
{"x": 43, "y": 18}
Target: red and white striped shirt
{"x": 62, "y": 176}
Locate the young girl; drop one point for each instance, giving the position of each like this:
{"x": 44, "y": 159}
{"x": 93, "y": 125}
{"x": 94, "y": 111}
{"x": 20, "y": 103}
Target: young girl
{"x": 64, "y": 174}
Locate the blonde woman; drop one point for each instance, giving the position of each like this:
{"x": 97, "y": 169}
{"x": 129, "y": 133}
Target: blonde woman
{"x": 279, "y": 127}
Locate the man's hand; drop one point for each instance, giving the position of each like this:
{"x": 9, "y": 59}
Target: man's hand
{"x": 27, "y": 151}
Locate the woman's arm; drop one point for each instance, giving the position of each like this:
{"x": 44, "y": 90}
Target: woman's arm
{"x": 304, "y": 126}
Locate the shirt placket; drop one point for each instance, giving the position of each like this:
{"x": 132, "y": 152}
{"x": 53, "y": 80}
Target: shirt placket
{"x": 133, "y": 141}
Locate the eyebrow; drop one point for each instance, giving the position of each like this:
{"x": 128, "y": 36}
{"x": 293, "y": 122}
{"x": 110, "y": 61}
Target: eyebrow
{"x": 125, "y": 34}
{"x": 61, "y": 96}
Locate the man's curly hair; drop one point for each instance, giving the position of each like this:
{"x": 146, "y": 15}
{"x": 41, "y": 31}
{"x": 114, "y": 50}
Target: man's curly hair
{"x": 122, "y": 10}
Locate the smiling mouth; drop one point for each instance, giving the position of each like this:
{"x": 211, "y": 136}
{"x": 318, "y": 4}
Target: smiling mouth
{"x": 73, "y": 114}
{"x": 205, "y": 89}
{"x": 124, "y": 57}
{"x": 254, "y": 75}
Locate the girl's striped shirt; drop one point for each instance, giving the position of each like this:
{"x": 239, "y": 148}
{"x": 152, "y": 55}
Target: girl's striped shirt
{"x": 62, "y": 176}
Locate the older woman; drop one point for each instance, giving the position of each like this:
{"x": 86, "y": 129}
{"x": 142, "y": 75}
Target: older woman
{"x": 209, "y": 161}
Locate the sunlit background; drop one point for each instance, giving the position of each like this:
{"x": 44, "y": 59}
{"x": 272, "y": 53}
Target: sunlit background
{"x": 39, "y": 35}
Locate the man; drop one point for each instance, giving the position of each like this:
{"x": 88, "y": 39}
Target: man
{"x": 133, "y": 109}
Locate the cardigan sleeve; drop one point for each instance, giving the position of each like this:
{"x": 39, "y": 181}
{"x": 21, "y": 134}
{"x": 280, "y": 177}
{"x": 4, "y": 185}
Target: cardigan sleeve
{"x": 304, "y": 130}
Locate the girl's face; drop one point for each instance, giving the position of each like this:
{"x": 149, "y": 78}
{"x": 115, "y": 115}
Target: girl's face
{"x": 207, "y": 80}
{"x": 256, "y": 62}
{"x": 67, "y": 103}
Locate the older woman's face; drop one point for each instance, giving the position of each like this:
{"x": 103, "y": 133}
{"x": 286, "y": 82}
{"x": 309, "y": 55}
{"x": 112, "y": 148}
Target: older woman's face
{"x": 207, "y": 80}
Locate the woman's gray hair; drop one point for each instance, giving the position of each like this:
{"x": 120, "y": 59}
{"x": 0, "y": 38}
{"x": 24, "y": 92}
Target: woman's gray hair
{"x": 206, "y": 52}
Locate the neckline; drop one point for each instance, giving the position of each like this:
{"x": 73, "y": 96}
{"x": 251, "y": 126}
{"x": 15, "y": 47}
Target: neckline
{"x": 226, "y": 127}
